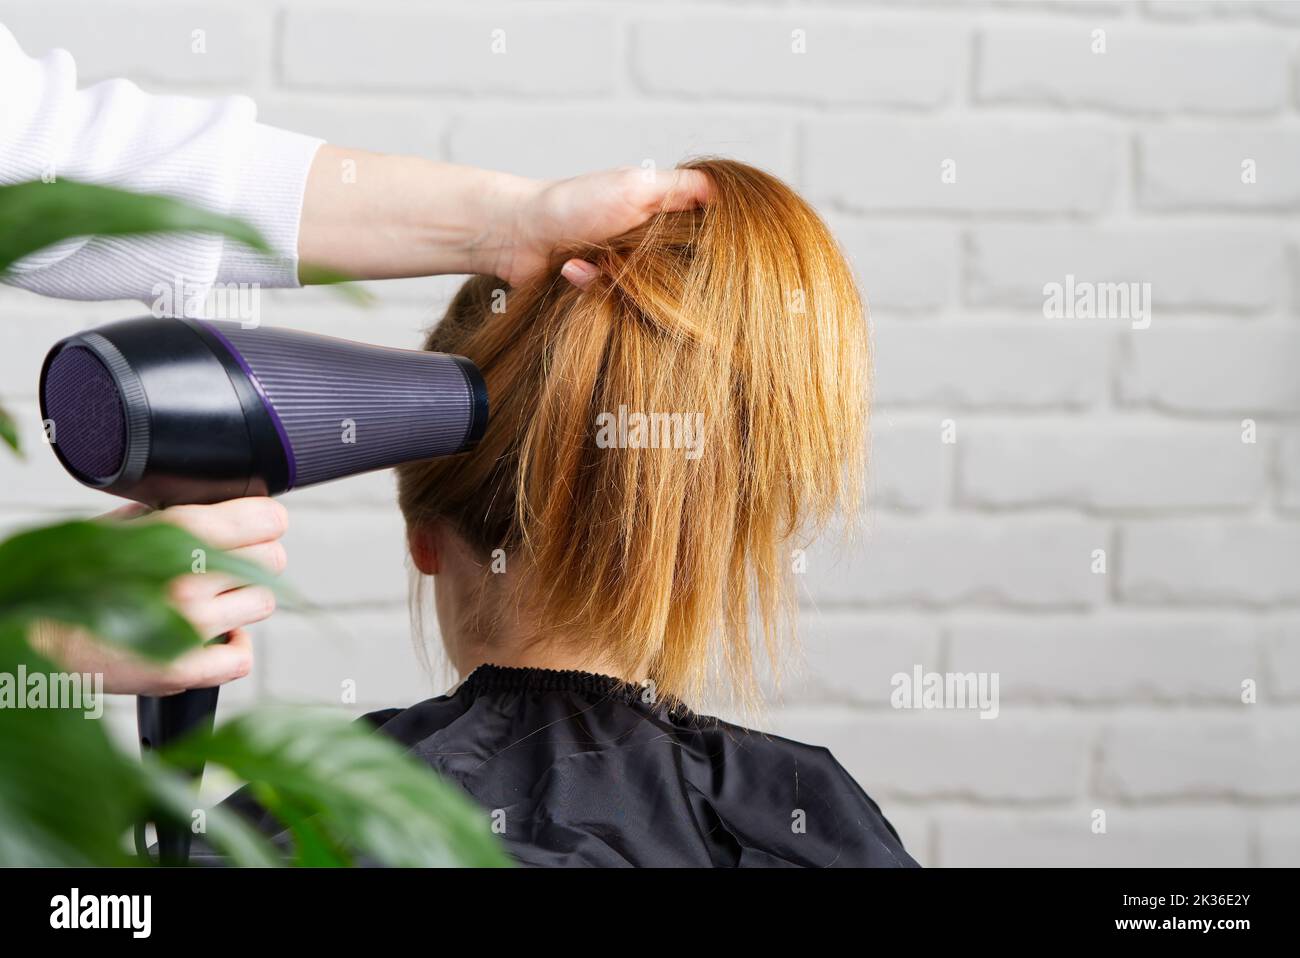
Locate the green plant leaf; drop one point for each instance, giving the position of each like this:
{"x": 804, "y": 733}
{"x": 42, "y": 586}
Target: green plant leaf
{"x": 343, "y": 284}
{"x": 66, "y": 795}
{"x": 111, "y": 579}
{"x": 9, "y": 431}
{"x": 36, "y": 215}
{"x": 173, "y": 795}
{"x": 69, "y": 797}
{"x": 361, "y": 791}
{"x": 313, "y": 846}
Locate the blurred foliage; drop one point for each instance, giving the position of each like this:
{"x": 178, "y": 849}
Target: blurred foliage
{"x": 68, "y": 794}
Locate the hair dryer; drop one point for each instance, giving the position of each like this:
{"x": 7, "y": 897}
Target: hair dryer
{"x": 171, "y": 411}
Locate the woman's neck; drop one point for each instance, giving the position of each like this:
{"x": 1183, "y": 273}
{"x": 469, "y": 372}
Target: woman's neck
{"x": 485, "y": 619}
{"x": 537, "y": 658}
{"x": 513, "y": 640}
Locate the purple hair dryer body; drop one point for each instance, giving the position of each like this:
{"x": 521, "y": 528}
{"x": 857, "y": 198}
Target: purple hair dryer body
{"x": 172, "y": 411}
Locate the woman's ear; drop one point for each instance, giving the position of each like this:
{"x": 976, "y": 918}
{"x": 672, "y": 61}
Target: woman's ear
{"x": 422, "y": 541}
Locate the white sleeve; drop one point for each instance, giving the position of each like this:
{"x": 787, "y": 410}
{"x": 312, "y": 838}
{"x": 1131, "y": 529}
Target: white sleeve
{"x": 208, "y": 152}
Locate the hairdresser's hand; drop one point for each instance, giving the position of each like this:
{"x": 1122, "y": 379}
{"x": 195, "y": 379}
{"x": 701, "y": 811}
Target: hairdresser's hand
{"x": 591, "y": 209}
{"x": 214, "y": 604}
{"x": 371, "y": 216}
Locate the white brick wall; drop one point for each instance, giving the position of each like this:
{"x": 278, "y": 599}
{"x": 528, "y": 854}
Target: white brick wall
{"x": 1120, "y": 692}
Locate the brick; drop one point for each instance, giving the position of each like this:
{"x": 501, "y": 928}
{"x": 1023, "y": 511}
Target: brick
{"x": 1196, "y": 837}
{"x": 308, "y": 658}
{"x": 559, "y": 142}
{"x": 1230, "y": 269}
{"x": 1279, "y": 838}
{"x": 1229, "y": 70}
{"x": 1181, "y": 9}
{"x": 346, "y": 557}
{"x": 1213, "y": 370}
{"x": 149, "y": 42}
{"x": 908, "y": 468}
{"x": 1282, "y": 652}
{"x": 1206, "y": 9}
{"x": 849, "y": 657}
{"x": 1039, "y": 562}
{"x": 397, "y": 48}
{"x": 894, "y": 63}
{"x": 1207, "y": 561}
{"x": 1106, "y": 8}
{"x": 1252, "y": 755}
{"x": 1281, "y": 11}
{"x": 376, "y": 490}
{"x": 1109, "y": 658}
{"x": 884, "y": 5}
{"x": 1288, "y": 468}
{"x": 1201, "y": 169}
{"x": 1149, "y": 465}
{"x": 30, "y": 326}
{"x": 887, "y": 164}
{"x": 949, "y": 755}
{"x": 901, "y": 269}
{"x": 378, "y": 124}
{"x": 1061, "y": 364}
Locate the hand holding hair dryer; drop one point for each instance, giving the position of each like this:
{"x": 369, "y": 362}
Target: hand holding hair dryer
{"x": 179, "y": 411}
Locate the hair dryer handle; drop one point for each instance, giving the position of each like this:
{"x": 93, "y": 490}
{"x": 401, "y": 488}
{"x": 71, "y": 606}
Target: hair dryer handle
{"x": 161, "y": 721}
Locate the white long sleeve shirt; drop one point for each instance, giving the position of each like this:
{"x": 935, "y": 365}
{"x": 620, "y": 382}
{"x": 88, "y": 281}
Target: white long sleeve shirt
{"x": 209, "y": 152}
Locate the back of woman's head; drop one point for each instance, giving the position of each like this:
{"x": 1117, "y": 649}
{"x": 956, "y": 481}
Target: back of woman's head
{"x": 660, "y": 549}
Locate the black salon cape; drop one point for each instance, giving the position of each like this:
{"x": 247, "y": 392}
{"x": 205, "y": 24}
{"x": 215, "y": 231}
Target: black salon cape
{"x": 587, "y": 774}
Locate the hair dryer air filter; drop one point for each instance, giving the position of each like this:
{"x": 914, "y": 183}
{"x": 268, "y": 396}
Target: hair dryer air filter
{"x": 169, "y": 411}
{"x": 87, "y": 400}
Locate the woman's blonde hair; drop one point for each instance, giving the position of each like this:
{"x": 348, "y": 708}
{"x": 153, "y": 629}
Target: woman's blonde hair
{"x": 744, "y": 311}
